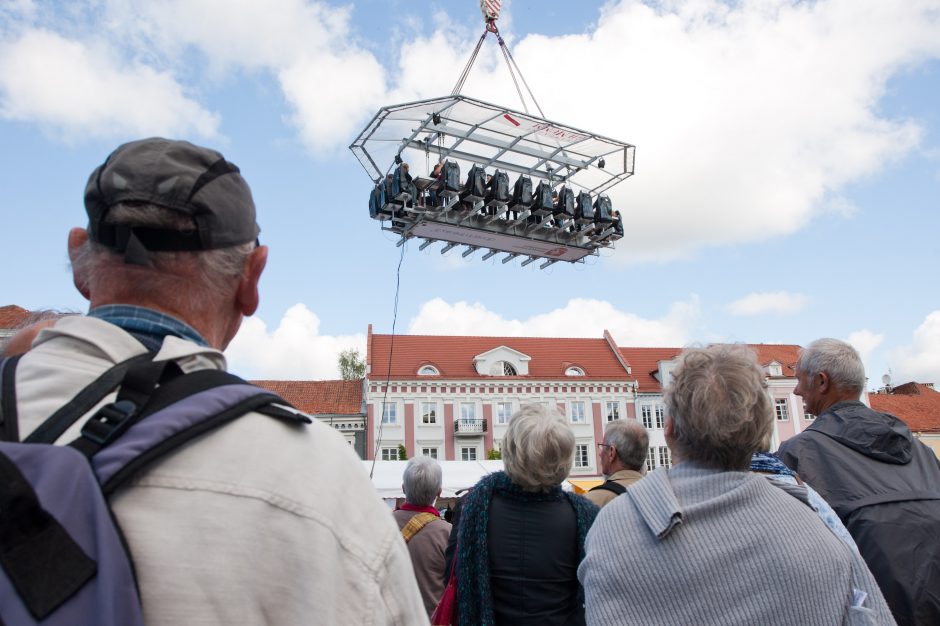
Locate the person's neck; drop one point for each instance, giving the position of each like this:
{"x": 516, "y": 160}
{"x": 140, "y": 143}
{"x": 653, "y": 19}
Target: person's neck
{"x": 213, "y": 329}
{"x": 836, "y": 396}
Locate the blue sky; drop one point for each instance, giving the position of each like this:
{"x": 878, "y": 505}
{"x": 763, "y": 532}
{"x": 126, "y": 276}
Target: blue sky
{"x": 787, "y": 179}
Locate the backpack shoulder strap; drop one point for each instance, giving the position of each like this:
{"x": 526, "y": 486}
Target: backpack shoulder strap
{"x": 416, "y": 523}
{"x": 60, "y": 421}
{"x": 125, "y": 436}
{"x": 9, "y": 424}
{"x": 610, "y": 485}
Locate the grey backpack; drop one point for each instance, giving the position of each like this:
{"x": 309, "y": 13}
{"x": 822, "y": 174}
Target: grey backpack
{"x": 63, "y": 559}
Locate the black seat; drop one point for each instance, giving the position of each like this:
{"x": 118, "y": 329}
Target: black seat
{"x": 584, "y": 212}
{"x": 602, "y": 210}
{"x": 497, "y": 191}
{"x": 522, "y": 193}
{"x": 564, "y": 206}
{"x": 543, "y": 203}
{"x": 475, "y": 188}
{"x": 450, "y": 176}
{"x": 377, "y": 202}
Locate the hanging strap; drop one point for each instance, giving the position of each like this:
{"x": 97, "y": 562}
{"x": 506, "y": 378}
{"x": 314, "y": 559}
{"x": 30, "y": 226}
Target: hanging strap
{"x": 84, "y": 401}
{"x": 610, "y": 485}
{"x": 416, "y": 523}
{"x": 9, "y": 426}
{"x": 158, "y": 410}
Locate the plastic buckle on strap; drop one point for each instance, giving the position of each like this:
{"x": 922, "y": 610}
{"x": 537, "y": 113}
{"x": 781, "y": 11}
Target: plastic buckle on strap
{"x": 110, "y": 421}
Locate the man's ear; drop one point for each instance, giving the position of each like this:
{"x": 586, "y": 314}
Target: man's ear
{"x": 247, "y": 294}
{"x": 78, "y": 237}
{"x": 823, "y": 383}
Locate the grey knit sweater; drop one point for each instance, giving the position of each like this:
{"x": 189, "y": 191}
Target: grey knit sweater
{"x": 697, "y": 546}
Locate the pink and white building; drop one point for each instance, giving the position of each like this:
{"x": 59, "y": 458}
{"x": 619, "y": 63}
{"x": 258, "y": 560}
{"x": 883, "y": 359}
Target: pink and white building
{"x": 450, "y": 397}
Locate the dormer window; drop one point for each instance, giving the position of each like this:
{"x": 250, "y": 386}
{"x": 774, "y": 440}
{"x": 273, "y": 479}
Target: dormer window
{"x": 574, "y": 370}
{"x": 428, "y": 370}
{"x": 502, "y": 368}
{"x": 774, "y": 369}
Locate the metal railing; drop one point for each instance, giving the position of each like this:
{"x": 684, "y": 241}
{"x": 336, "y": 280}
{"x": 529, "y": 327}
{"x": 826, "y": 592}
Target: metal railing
{"x": 469, "y": 427}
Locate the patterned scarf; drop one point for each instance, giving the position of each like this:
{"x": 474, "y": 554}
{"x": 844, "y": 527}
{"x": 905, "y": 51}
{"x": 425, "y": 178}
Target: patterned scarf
{"x": 766, "y": 463}
{"x": 474, "y": 596}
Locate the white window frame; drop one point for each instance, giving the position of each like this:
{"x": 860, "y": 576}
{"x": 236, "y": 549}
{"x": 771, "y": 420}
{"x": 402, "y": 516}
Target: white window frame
{"x": 665, "y": 456}
{"x": 660, "y": 413}
{"x": 616, "y": 412}
{"x": 578, "y": 416}
{"x": 574, "y": 370}
{"x": 502, "y": 419}
{"x": 473, "y": 411}
{"x": 426, "y": 414}
{"x": 651, "y": 459}
{"x": 428, "y": 370}
{"x": 389, "y": 416}
{"x": 646, "y": 416}
{"x": 390, "y": 454}
{"x": 430, "y": 452}
{"x": 781, "y": 409}
{"x": 468, "y": 453}
{"x": 581, "y": 459}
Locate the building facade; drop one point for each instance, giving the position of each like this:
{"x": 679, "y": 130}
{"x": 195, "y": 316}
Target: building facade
{"x": 450, "y": 397}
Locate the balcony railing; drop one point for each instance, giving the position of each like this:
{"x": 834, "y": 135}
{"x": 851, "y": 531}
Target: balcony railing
{"x": 469, "y": 428}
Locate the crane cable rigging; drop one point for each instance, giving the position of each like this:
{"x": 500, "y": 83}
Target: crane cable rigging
{"x": 507, "y": 56}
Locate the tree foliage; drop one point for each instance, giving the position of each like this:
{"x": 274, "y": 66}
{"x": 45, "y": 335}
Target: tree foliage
{"x": 351, "y": 364}
{"x": 402, "y": 453}
{"x": 494, "y": 455}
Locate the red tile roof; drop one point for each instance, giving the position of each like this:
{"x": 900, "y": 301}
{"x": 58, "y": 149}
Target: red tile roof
{"x": 644, "y": 362}
{"x": 453, "y": 356}
{"x": 918, "y": 405}
{"x": 340, "y": 397}
{"x": 11, "y": 316}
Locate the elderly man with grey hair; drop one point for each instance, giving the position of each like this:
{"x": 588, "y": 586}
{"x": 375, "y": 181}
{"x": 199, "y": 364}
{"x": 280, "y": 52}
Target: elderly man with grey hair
{"x": 715, "y": 543}
{"x": 422, "y": 527}
{"x": 882, "y": 482}
{"x": 623, "y": 459}
{"x": 248, "y": 523}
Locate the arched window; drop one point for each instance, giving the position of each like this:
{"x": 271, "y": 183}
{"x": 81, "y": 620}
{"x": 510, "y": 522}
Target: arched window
{"x": 502, "y": 368}
{"x": 574, "y": 371}
{"x": 428, "y": 370}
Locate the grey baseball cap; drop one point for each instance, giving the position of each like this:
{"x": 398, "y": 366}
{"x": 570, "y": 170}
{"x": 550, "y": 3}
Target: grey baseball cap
{"x": 177, "y": 175}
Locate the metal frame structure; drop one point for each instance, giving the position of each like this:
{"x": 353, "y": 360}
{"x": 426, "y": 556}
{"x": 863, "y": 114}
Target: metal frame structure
{"x": 472, "y": 132}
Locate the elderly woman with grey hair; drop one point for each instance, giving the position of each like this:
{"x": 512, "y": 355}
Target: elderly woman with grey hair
{"x": 713, "y": 543}
{"x": 520, "y": 537}
{"x": 422, "y": 528}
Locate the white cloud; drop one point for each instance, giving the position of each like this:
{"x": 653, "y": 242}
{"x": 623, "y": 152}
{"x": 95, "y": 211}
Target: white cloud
{"x": 919, "y": 361}
{"x": 294, "y": 350}
{"x": 773, "y": 302}
{"x": 580, "y": 317}
{"x": 749, "y": 117}
{"x": 865, "y": 341}
{"x": 75, "y": 89}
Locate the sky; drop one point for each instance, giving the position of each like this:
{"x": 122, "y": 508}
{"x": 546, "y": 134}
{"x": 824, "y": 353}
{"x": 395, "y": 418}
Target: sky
{"x": 786, "y": 187}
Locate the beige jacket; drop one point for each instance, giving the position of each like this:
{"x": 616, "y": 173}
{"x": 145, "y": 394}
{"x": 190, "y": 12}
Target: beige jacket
{"x": 257, "y": 522}
{"x": 600, "y": 497}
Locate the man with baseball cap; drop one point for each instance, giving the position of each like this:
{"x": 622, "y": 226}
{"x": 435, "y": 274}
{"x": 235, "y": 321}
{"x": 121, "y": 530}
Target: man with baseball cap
{"x": 257, "y": 521}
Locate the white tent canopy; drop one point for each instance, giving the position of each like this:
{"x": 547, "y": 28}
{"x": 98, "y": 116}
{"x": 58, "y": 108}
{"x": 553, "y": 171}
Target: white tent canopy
{"x": 457, "y": 475}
